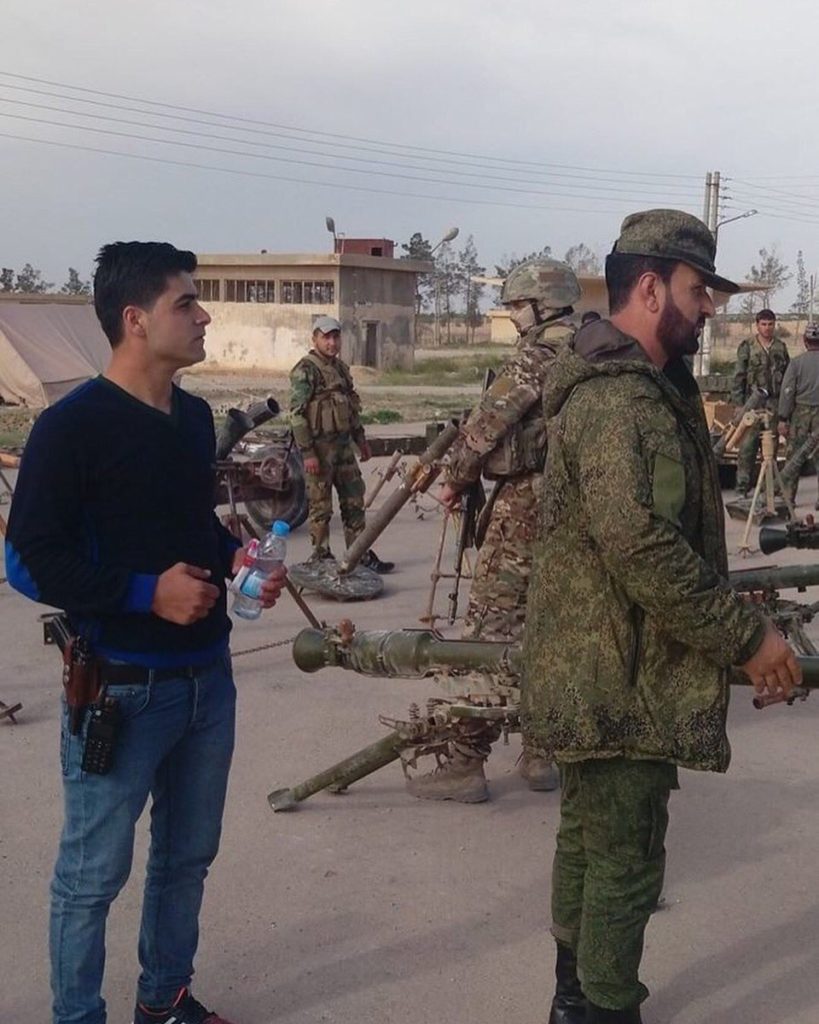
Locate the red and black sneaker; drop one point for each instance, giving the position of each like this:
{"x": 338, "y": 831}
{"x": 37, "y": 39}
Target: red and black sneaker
{"x": 184, "y": 1010}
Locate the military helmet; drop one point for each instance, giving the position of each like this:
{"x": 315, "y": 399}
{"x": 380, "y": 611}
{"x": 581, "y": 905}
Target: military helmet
{"x": 547, "y": 282}
{"x": 812, "y": 332}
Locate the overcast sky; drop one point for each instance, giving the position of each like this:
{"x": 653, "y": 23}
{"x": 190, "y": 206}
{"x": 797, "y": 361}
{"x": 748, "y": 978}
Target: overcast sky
{"x": 555, "y": 120}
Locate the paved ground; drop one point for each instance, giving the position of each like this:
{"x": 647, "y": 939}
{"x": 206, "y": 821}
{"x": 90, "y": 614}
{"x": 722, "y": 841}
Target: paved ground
{"x": 373, "y": 908}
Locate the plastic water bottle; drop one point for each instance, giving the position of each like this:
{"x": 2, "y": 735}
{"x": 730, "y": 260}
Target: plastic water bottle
{"x": 270, "y": 553}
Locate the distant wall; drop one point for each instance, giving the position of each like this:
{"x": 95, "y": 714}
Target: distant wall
{"x": 384, "y": 300}
{"x": 264, "y": 336}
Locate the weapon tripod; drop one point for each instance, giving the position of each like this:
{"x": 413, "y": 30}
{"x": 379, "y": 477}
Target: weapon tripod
{"x": 769, "y": 476}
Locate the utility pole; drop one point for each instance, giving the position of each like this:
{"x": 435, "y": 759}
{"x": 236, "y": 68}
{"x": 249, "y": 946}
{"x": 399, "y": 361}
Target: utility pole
{"x": 702, "y": 363}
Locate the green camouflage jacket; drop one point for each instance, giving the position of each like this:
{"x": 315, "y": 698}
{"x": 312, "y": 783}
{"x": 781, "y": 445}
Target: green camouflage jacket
{"x": 323, "y": 402}
{"x": 758, "y": 367}
{"x": 505, "y": 434}
{"x": 631, "y": 625}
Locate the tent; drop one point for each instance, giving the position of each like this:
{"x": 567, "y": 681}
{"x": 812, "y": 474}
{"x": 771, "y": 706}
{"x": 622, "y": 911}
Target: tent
{"x": 48, "y": 345}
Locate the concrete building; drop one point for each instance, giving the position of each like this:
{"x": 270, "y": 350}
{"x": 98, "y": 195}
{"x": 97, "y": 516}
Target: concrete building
{"x": 264, "y": 305}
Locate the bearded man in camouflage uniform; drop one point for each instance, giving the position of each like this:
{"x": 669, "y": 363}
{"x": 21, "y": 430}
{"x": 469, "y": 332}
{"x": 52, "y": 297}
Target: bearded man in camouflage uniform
{"x": 799, "y": 408}
{"x": 761, "y": 363}
{"x": 631, "y": 626}
{"x": 325, "y": 418}
{"x": 504, "y": 439}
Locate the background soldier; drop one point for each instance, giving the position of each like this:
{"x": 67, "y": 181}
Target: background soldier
{"x": 504, "y": 439}
{"x": 325, "y": 416}
{"x": 631, "y": 627}
{"x": 799, "y": 406}
{"x": 761, "y": 363}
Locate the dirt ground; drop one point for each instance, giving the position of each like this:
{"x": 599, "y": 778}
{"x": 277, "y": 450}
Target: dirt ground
{"x": 374, "y": 908}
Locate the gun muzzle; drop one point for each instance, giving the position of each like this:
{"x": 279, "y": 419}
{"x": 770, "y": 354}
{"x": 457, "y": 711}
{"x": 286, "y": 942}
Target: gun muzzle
{"x": 772, "y": 540}
{"x": 238, "y": 423}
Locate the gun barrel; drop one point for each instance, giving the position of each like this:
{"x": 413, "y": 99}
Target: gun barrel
{"x": 378, "y": 522}
{"x": 785, "y": 577}
{"x": 772, "y": 540}
{"x": 404, "y": 654}
{"x": 238, "y": 423}
{"x": 343, "y": 774}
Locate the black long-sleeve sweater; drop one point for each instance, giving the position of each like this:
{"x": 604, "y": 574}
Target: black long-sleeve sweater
{"x": 111, "y": 493}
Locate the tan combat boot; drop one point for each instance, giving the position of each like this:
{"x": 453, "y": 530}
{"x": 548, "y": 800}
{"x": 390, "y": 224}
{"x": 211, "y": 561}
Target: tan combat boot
{"x": 459, "y": 777}
{"x": 537, "y": 770}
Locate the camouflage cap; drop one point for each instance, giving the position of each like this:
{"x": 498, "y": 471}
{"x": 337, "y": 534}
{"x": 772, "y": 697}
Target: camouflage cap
{"x": 544, "y": 280}
{"x": 673, "y": 235}
{"x": 326, "y": 324}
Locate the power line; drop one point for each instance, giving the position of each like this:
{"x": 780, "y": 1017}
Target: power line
{"x": 290, "y": 137}
{"x": 303, "y": 181}
{"x": 313, "y": 163}
{"x": 336, "y": 135}
{"x": 266, "y": 145}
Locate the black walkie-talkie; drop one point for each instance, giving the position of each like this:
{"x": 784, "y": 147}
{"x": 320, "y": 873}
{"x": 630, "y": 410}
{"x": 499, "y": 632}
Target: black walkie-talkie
{"x": 101, "y": 737}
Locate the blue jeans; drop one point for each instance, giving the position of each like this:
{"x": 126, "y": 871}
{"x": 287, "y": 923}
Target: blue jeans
{"x": 175, "y": 743}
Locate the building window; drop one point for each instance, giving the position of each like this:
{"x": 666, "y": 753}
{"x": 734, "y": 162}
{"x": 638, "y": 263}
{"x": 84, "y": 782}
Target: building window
{"x": 208, "y": 288}
{"x": 250, "y": 291}
{"x": 314, "y": 293}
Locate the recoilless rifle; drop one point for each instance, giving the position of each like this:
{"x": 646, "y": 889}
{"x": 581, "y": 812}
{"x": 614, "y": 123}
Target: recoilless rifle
{"x": 422, "y": 653}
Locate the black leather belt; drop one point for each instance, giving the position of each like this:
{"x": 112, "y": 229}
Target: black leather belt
{"x": 124, "y": 675}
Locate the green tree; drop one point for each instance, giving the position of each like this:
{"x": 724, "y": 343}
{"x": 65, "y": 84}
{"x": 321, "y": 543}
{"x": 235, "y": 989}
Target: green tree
{"x": 30, "y": 281}
{"x": 472, "y": 290}
{"x": 582, "y": 259}
{"x": 75, "y": 285}
{"x": 449, "y": 284}
{"x": 419, "y": 248}
{"x": 6, "y": 279}
{"x": 770, "y": 276}
{"x": 802, "y": 303}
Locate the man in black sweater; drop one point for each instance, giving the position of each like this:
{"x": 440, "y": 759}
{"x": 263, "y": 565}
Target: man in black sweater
{"x": 113, "y": 521}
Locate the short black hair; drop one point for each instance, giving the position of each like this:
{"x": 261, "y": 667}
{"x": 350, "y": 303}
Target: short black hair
{"x": 134, "y": 274}
{"x": 765, "y": 314}
{"x": 624, "y": 270}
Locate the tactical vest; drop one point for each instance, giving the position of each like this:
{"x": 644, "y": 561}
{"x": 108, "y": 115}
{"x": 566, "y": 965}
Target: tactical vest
{"x": 329, "y": 410}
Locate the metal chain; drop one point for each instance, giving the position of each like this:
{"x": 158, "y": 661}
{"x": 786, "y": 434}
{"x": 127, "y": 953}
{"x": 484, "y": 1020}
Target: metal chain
{"x": 264, "y": 647}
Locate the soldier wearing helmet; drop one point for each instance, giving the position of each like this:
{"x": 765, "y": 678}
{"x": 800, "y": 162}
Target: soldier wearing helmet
{"x": 504, "y": 439}
{"x": 799, "y": 408}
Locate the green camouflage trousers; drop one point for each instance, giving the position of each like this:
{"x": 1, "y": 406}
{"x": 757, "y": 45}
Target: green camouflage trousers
{"x": 746, "y": 456}
{"x": 608, "y": 870}
{"x": 805, "y": 420}
{"x": 339, "y": 469}
{"x": 497, "y": 598}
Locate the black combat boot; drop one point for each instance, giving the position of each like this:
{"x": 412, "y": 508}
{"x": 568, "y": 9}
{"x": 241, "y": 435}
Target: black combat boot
{"x": 371, "y": 561}
{"x": 569, "y": 1003}
{"x": 600, "y": 1015}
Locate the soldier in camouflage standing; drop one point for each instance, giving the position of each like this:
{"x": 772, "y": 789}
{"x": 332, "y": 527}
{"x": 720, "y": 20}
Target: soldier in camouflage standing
{"x": 325, "y": 416}
{"x": 799, "y": 407}
{"x": 631, "y": 626}
{"x": 504, "y": 439}
{"x": 761, "y": 363}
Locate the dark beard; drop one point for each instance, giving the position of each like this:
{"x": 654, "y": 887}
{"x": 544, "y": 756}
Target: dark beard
{"x": 678, "y": 336}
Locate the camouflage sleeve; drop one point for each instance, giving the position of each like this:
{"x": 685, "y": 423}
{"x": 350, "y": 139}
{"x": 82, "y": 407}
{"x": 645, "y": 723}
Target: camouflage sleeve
{"x": 787, "y": 396}
{"x": 302, "y": 386}
{"x": 740, "y": 388}
{"x": 640, "y": 546}
{"x": 505, "y": 402}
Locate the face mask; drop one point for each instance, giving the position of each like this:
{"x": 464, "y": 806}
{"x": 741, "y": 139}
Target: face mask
{"x": 523, "y": 318}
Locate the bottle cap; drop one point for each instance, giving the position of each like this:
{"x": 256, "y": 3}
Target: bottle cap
{"x": 280, "y": 528}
